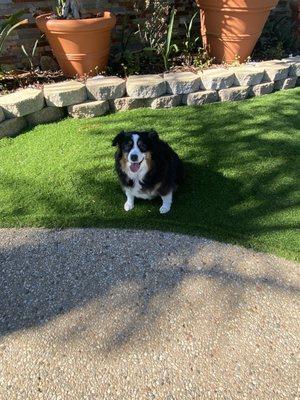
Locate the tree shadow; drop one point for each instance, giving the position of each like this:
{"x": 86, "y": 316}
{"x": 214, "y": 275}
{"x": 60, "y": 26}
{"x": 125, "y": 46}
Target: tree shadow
{"x": 242, "y": 179}
{"x": 235, "y": 185}
{"x": 46, "y": 274}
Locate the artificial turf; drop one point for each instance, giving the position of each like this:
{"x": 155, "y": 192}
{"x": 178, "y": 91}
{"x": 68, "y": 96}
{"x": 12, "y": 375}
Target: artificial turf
{"x": 241, "y": 160}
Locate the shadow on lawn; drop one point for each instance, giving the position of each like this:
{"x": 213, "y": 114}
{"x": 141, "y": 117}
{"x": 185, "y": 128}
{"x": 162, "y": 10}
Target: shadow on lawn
{"x": 211, "y": 202}
{"x": 235, "y": 183}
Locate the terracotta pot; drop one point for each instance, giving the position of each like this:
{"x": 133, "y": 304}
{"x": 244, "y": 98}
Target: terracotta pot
{"x": 81, "y": 46}
{"x": 231, "y": 28}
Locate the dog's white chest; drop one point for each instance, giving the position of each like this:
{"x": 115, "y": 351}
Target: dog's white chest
{"x": 136, "y": 191}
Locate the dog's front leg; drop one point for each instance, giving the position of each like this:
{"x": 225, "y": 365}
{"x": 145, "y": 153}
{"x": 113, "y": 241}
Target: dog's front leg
{"x": 167, "y": 202}
{"x": 130, "y": 200}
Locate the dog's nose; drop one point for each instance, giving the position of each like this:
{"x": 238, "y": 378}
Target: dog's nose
{"x": 134, "y": 157}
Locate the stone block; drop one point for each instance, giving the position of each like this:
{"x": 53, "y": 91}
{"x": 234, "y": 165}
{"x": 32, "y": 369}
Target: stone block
{"x": 216, "y": 79}
{"x": 182, "y": 82}
{"x": 22, "y": 102}
{"x": 234, "y": 93}
{"x": 274, "y": 71}
{"x": 2, "y": 116}
{"x": 47, "y": 114}
{"x": 288, "y": 83}
{"x": 248, "y": 75}
{"x": 199, "y": 98}
{"x": 89, "y": 109}
{"x": 294, "y": 63}
{"x": 261, "y": 89}
{"x": 128, "y": 103}
{"x": 12, "y": 127}
{"x": 166, "y": 101}
{"x": 105, "y": 88}
{"x": 65, "y": 94}
{"x": 146, "y": 86}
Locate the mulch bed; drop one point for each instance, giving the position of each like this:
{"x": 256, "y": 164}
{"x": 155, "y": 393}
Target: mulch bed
{"x": 14, "y": 80}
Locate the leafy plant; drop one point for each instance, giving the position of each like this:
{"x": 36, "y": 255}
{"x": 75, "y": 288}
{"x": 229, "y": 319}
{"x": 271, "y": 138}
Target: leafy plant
{"x": 277, "y": 39}
{"x": 202, "y": 59}
{"x": 168, "y": 46}
{"x": 30, "y": 55}
{"x": 188, "y": 48}
{"x": 10, "y": 24}
{"x": 191, "y": 42}
{"x": 152, "y": 27}
{"x": 155, "y": 28}
{"x": 69, "y": 9}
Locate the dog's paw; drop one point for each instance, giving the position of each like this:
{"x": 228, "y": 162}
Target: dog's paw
{"x": 164, "y": 209}
{"x": 128, "y": 206}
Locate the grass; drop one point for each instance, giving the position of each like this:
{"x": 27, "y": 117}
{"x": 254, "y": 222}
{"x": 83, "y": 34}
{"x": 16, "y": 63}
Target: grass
{"x": 242, "y": 163}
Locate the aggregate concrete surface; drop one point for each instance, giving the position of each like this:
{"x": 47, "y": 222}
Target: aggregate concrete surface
{"x": 108, "y": 314}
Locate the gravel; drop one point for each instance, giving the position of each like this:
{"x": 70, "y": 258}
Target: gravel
{"x": 109, "y": 314}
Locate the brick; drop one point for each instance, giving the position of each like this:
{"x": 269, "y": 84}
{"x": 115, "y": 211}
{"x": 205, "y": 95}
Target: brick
{"x": 288, "y": 83}
{"x": 22, "y": 102}
{"x": 89, "y": 109}
{"x": 127, "y": 103}
{"x": 234, "y": 93}
{"x": 199, "y": 98}
{"x": 216, "y": 79}
{"x": 12, "y": 127}
{"x": 261, "y": 89}
{"x": 182, "y": 82}
{"x": 146, "y": 86}
{"x": 105, "y": 88}
{"x": 166, "y": 101}
{"x": 65, "y": 94}
{"x": 47, "y": 114}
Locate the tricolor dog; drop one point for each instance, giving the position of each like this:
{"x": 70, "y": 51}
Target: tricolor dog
{"x": 147, "y": 167}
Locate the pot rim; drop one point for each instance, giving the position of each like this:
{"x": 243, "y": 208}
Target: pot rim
{"x": 239, "y": 6}
{"x": 107, "y": 21}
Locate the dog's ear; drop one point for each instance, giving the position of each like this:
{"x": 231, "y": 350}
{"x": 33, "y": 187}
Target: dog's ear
{"x": 153, "y": 135}
{"x": 118, "y": 139}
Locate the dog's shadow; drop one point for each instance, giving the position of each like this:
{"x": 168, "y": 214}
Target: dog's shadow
{"x": 205, "y": 197}
{"x": 202, "y": 204}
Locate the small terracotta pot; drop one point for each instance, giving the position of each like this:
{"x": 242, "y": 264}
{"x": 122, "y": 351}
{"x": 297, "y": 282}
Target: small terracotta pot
{"x": 231, "y": 28}
{"x": 81, "y": 46}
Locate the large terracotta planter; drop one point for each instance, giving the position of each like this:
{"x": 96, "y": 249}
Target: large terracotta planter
{"x": 81, "y": 46}
{"x": 231, "y": 28}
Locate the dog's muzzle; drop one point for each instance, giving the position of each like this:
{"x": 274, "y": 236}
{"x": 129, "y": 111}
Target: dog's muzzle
{"x": 135, "y": 166}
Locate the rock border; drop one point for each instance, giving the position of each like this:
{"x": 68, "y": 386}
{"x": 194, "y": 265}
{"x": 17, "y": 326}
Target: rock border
{"x": 100, "y": 95}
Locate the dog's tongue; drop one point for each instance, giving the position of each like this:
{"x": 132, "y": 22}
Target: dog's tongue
{"x": 134, "y": 167}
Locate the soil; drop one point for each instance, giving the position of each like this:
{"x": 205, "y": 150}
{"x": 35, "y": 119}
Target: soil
{"x": 14, "y": 80}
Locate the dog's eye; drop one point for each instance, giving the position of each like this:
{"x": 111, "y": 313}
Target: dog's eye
{"x": 127, "y": 146}
{"x": 142, "y": 146}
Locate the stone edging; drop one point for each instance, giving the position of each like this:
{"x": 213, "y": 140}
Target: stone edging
{"x": 99, "y": 95}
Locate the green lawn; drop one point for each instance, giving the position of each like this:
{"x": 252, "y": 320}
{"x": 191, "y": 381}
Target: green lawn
{"x": 242, "y": 163}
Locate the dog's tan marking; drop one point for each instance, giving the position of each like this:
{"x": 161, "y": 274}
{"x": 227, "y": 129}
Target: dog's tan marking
{"x": 123, "y": 163}
{"x": 148, "y": 159}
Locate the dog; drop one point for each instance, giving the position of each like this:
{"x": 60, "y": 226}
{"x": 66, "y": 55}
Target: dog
{"x": 147, "y": 167}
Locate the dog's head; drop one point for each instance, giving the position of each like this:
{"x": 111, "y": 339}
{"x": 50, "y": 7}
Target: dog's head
{"x": 136, "y": 147}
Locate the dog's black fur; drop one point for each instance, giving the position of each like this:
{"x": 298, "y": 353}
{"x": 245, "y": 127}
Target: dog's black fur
{"x": 165, "y": 167}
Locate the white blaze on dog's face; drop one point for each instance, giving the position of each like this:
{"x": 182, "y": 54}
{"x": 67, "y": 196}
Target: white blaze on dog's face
{"x": 135, "y": 151}
{"x": 135, "y": 155}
